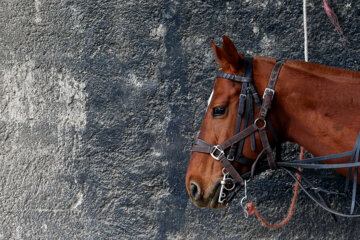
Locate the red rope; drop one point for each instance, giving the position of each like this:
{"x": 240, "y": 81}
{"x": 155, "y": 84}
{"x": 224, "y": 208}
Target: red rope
{"x": 334, "y": 19}
{"x": 251, "y": 209}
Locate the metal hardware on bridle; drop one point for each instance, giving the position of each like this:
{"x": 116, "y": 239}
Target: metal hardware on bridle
{"x": 264, "y": 123}
{"x": 224, "y": 182}
{"x": 245, "y": 208}
{"x": 216, "y": 152}
{"x": 250, "y": 126}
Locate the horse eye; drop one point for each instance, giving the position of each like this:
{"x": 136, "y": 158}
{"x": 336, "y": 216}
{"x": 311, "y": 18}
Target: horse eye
{"x": 218, "y": 111}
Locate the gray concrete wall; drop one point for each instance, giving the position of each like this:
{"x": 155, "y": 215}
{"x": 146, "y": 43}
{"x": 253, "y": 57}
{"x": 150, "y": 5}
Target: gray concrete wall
{"x": 100, "y": 102}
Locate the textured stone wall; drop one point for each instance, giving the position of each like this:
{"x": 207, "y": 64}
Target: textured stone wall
{"x": 100, "y": 102}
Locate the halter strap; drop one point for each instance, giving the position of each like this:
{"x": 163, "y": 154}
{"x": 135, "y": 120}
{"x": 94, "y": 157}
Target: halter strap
{"x": 266, "y": 105}
{"x": 270, "y": 90}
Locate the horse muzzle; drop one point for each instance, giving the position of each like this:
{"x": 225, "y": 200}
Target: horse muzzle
{"x": 206, "y": 198}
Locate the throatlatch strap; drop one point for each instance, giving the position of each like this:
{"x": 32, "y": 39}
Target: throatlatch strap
{"x": 275, "y": 73}
{"x": 267, "y": 148}
{"x": 258, "y": 103}
{"x": 270, "y": 90}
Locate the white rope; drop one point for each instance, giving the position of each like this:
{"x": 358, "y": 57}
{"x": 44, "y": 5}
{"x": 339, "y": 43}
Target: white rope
{"x": 306, "y": 56}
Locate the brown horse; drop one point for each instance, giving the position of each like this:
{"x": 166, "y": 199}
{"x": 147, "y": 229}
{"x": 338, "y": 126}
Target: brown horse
{"x": 315, "y": 106}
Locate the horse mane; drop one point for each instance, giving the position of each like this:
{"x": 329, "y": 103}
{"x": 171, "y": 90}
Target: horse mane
{"x": 330, "y": 73}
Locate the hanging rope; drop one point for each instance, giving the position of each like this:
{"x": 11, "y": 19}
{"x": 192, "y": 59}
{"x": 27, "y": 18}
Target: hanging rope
{"x": 251, "y": 209}
{"x": 334, "y": 19}
{"x": 305, "y": 32}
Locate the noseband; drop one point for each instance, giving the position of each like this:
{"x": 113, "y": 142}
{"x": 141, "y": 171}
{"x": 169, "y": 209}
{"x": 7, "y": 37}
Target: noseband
{"x": 231, "y": 149}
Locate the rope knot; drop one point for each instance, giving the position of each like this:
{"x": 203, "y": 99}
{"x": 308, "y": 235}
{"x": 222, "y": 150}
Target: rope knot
{"x": 250, "y": 208}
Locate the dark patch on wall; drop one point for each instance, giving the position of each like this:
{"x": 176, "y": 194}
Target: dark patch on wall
{"x": 101, "y": 101}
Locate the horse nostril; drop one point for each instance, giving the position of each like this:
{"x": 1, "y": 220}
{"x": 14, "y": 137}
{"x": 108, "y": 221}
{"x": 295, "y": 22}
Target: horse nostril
{"x": 195, "y": 191}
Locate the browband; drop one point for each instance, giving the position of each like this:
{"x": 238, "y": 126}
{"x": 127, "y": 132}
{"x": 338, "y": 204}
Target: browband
{"x": 235, "y": 78}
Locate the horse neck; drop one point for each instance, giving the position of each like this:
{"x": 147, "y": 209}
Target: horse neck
{"x": 316, "y": 106}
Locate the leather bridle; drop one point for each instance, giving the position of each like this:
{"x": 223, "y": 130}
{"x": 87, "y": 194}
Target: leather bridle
{"x": 236, "y": 142}
{"x": 231, "y": 149}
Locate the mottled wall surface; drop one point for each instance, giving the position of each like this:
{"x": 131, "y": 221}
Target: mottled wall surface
{"x": 100, "y": 102}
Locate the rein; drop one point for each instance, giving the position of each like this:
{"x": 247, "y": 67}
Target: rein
{"x": 250, "y": 126}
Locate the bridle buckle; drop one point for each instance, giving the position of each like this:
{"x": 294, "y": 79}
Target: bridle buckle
{"x": 232, "y": 158}
{"x": 269, "y": 90}
{"x": 217, "y": 152}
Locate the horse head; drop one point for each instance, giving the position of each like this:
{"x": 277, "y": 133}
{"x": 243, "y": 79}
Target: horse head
{"x": 205, "y": 173}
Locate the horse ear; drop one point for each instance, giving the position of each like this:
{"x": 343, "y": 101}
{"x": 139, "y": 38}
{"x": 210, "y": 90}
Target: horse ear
{"x": 220, "y": 58}
{"x": 227, "y": 56}
{"x": 231, "y": 52}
